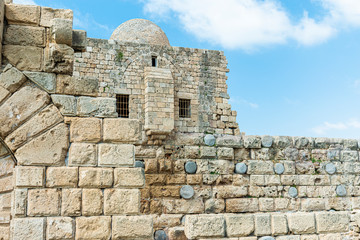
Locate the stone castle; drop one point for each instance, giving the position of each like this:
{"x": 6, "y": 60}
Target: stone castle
{"x": 131, "y": 138}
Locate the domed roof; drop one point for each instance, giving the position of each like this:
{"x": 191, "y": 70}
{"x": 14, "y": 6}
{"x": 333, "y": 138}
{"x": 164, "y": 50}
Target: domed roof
{"x": 140, "y": 31}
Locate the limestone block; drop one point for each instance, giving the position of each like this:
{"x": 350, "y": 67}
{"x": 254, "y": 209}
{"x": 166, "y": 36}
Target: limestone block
{"x": 11, "y": 78}
{"x": 225, "y": 153}
{"x": 207, "y": 152}
{"x": 207, "y": 225}
{"x": 127, "y": 227}
{"x": 5, "y": 202}
{"x": 29, "y": 176}
{"x": 65, "y": 103}
{"x": 292, "y": 237}
{"x": 60, "y": 228}
{"x": 46, "y": 81}
{"x": 85, "y": 86}
{"x": 238, "y": 205}
{"x": 279, "y": 224}
{"x": 260, "y": 167}
{"x": 20, "y": 200}
{"x": 348, "y": 155}
{"x": 25, "y": 35}
{"x": 189, "y": 139}
{"x": 95, "y": 177}
{"x": 262, "y": 224}
{"x": 121, "y": 201}
{"x": 309, "y": 237}
{"x": 313, "y": 204}
{"x": 3, "y": 93}
{"x": 5, "y": 232}
{"x": 229, "y": 141}
{"x": 183, "y": 206}
{"x": 6, "y": 184}
{"x": 29, "y": 229}
{"x": 93, "y": 227}
{"x": 96, "y": 107}
{"x": 282, "y": 142}
{"x": 47, "y": 14}
{"x": 43, "y": 120}
{"x": 6, "y": 166}
{"x": 214, "y": 205}
{"x": 116, "y": 155}
{"x": 24, "y": 57}
{"x": 327, "y": 222}
{"x": 71, "y": 202}
{"x": 48, "y": 149}
{"x": 252, "y": 141}
{"x": 121, "y": 130}
{"x": 79, "y": 40}
{"x": 82, "y": 154}
{"x": 59, "y": 58}
{"x": 61, "y": 31}
{"x": 22, "y": 14}
{"x": 129, "y": 177}
{"x": 300, "y": 223}
{"x": 61, "y": 177}
{"x": 16, "y": 109}
{"x": 239, "y": 225}
{"x": 92, "y": 202}
{"x": 85, "y": 130}
{"x": 43, "y": 202}
{"x": 229, "y": 191}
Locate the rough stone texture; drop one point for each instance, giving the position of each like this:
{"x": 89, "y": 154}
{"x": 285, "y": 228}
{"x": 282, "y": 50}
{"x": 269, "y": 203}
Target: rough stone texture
{"x": 71, "y": 202}
{"x": 95, "y": 177}
{"x": 279, "y": 224}
{"x": 61, "y": 177}
{"x": 92, "y": 202}
{"x": 11, "y": 78}
{"x": 121, "y": 201}
{"x": 332, "y": 222}
{"x": 47, "y": 14}
{"x": 239, "y": 225}
{"x": 116, "y": 155}
{"x": 184, "y": 206}
{"x": 97, "y": 107}
{"x": 58, "y": 58}
{"x": 46, "y": 81}
{"x": 79, "y": 39}
{"x": 24, "y": 57}
{"x": 3, "y": 94}
{"x": 43, "y": 202}
{"x": 267, "y": 141}
{"x": 125, "y": 227}
{"x": 22, "y": 14}
{"x": 25, "y": 35}
{"x": 300, "y": 223}
{"x": 209, "y": 225}
{"x": 341, "y": 191}
{"x": 20, "y": 200}
{"x": 29, "y": 229}
{"x": 262, "y": 224}
{"x": 129, "y": 177}
{"x": 82, "y": 154}
{"x": 60, "y": 228}
{"x": 16, "y": 110}
{"x": 61, "y": 31}
{"x": 121, "y": 130}
{"x": 86, "y": 86}
{"x": 93, "y": 227}
{"x": 29, "y": 176}
{"x": 48, "y": 149}
{"x": 85, "y": 129}
{"x": 252, "y": 141}
{"x": 46, "y": 118}
{"x": 65, "y": 103}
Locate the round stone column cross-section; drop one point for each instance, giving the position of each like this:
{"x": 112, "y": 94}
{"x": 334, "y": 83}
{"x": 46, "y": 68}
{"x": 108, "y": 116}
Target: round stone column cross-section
{"x": 240, "y": 168}
{"x": 187, "y": 192}
{"x": 209, "y": 140}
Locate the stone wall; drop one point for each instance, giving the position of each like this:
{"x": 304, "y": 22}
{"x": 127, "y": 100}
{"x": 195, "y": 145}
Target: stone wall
{"x": 71, "y": 169}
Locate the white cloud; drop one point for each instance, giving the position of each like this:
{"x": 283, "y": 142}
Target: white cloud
{"x": 249, "y": 24}
{"x": 237, "y": 101}
{"x": 87, "y": 22}
{"x": 25, "y": 2}
{"x": 327, "y": 127}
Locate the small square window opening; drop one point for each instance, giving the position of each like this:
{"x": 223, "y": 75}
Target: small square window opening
{"x": 122, "y": 105}
{"x": 184, "y": 108}
{"x": 154, "y": 61}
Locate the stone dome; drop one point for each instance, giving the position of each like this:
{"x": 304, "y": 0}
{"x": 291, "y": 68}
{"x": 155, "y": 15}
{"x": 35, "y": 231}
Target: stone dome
{"x": 140, "y": 31}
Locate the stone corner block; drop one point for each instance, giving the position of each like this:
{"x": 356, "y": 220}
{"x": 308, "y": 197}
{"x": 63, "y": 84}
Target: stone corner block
{"x": 29, "y": 228}
{"x": 29, "y": 176}
{"x": 61, "y": 31}
{"x": 79, "y": 40}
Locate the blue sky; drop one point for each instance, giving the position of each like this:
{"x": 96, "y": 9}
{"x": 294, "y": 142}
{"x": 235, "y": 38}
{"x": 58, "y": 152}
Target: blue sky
{"x": 294, "y": 65}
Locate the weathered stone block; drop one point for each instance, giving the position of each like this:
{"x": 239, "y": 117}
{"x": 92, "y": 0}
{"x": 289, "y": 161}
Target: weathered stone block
{"x": 239, "y": 225}
{"x": 85, "y": 129}
{"x": 20, "y": 200}
{"x": 282, "y": 142}
{"x": 22, "y": 14}
{"x": 16, "y": 109}
{"x": 85, "y": 86}
{"x": 82, "y": 154}
{"x": 46, "y": 118}
{"x": 48, "y": 149}
{"x": 93, "y": 227}
{"x": 207, "y": 225}
{"x": 6, "y": 184}
{"x": 127, "y": 227}
{"x": 79, "y": 40}
{"x": 24, "y": 57}
{"x": 60, "y": 228}
{"x": 71, "y": 202}
{"x": 95, "y": 177}
{"x": 262, "y": 224}
{"x": 279, "y": 224}
{"x": 46, "y": 81}
{"x": 260, "y": 167}
{"x": 61, "y": 177}
{"x": 300, "y": 223}
{"x": 97, "y": 107}
{"x": 11, "y": 78}
{"x": 3, "y": 93}
{"x": 59, "y": 58}
{"x": 61, "y": 31}
{"x": 348, "y": 155}
{"x": 242, "y": 205}
{"x": 327, "y": 222}
{"x": 183, "y": 206}
{"x": 129, "y": 177}
{"x": 47, "y": 14}
{"x": 207, "y": 152}
{"x": 116, "y": 155}
{"x": 5, "y": 232}
{"x": 122, "y": 201}
{"x": 230, "y": 191}
{"x": 65, "y": 103}
{"x": 252, "y": 141}
{"x": 7, "y": 165}
{"x": 29, "y": 176}
{"x": 92, "y": 202}
{"x": 25, "y": 35}
{"x": 43, "y": 202}
{"x": 225, "y": 153}
{"x": 121, "y": 130}
{"x": 29, "y": 229}
{"x": 229, "y": 141}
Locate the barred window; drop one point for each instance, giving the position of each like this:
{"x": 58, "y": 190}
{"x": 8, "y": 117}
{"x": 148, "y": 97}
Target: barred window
{"x": 184, "y": 108}
{"x": 122, "y": 105}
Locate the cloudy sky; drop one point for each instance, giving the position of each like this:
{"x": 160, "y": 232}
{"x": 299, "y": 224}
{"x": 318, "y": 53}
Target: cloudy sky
{"x": 294, "y": 65}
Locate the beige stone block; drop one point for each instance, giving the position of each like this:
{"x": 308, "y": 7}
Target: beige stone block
{"x": 61, "y": 177}
{"x": 129, "y": 177}
{"x": 22, "y": 14}
{"x": 262, "y": 224}
{"x": 332, "y": 222}
{"x": 84, "y": 86}
{"x": 128, "y": 227}
{"x": 29, "y": 176}
{"x": 40, "y": 122}
{"x": 279, "y": 224}
{"x": 7, "y": 165}
{"x": 225, "y": 153}
{"x": 122, "y": 201}
{"x": 4, "y": 93}
{"x": 16, "y": 110}
{"x": 85, "y": 130}
{"x": 48, "y": 149}
{"x": 167, "y": 220}
{"x": 5, "y": 202}
{"x": 5, "y": 232}
{"x": 332, "y": 236}
{"x": 82, "y": 154}
{"x": 43, "y": 202}
{"x": 214, "y": 205}
{"x": 11, "y": 79}
{"x": 61, "y": 31}
{"x": 230, "y": 191}
{"x": 29, "y": 229}
{"x": 93, "y": 228}
{"x": 95, "y": 177}
{"x": 237, "y": 205}
{"x": 25, "y": 35}
{"x": 20, "y": 200}
{"x": 65, "y": 103}
{"x": 175, "y": 206}
{"x": 24, "y": 57}
{"x": 60, "y": 228}
{"x": 92, "y": 202}
{"x": 206, "y": 225}
{"x": 116, "y": 155}
{"x": 3, "y": 151}
{"x": 71, "y": 202}
{"x": 58, "y": 58}
{"x": 6, "y": 184}
{"x": 121, "y": 130}
{"x": 266, "y": 204}
{"x": 309, "y": 237}
{"x": 5, "y": 217}
{"x": 239, "y": 225}
{"x": 207, "y": 152}
{"x": 300, "y": 223}
{"x": 49, "y": 13}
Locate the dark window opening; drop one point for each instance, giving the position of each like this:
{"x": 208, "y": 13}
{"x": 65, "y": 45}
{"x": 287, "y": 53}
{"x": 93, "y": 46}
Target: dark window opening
{"x": 122, "y": 105}
{"x": 153, "y": 61}
{"x": 184, "y": 108}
